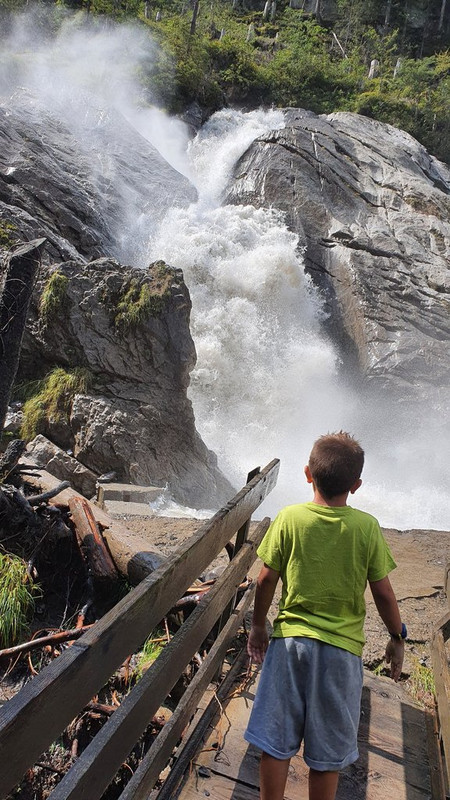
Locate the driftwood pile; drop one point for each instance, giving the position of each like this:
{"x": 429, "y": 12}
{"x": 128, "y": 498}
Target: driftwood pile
{"x": 67, "y": 555}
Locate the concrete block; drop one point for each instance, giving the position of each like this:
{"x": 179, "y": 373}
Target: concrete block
{"x": 127, "y": 493}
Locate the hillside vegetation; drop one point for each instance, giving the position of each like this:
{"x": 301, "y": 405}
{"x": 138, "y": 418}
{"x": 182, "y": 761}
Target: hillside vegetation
{"x": 387, "y": 59}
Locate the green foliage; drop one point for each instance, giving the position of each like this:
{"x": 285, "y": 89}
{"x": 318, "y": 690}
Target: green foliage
{"x": 8, "y": 233}
{"x": 53, "y": 399}
{"x": 53, "y": 296}
{"x": 16, "y": 599}
{"x": 149, "y": 653}
{"x": 181, "y": 72}
{"x": 295, "y": 59}
{"x": 141, "y": 301}
{"x": 421, "y": 683}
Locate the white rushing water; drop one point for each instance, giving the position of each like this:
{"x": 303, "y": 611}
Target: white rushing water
{"x": 266, "y": 383}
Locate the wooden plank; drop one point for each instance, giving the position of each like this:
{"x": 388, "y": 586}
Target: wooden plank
{"x": 435, "y": 760}
{"x": 220, "y": 788}
{"x": 154, "y": 761}
{"x": 31, "y": 720}
{"x": 441, "y": 672}
{"x": 96, "y": 767}
{"x": 378, "y": 773}
{"x": 241, "y": 537}
{"x": 193, "y": 742}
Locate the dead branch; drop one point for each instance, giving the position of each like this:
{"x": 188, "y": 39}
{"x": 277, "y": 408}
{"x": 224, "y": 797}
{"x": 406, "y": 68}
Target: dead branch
{"x": 36, "y": 499}
{"x": 52, "y": 638}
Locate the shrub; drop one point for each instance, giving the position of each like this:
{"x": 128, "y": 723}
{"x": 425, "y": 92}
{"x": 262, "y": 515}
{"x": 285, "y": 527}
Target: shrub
{"x": 53, "y": 399}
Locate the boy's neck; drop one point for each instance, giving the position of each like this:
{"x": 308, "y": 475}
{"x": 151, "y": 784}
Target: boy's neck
{"x": 332, "y": 502}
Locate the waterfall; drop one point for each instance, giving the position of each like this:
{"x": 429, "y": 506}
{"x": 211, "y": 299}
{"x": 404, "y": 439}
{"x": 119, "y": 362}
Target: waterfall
{"x": 267, "y": 381}
{"x": 255, "y": 316}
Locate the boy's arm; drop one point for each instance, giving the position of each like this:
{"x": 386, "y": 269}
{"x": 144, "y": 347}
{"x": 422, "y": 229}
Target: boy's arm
{"x": 386, "y": 603}
{"x": 258, "y": 639}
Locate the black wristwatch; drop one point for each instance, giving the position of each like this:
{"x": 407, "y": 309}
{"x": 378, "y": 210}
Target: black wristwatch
{"x": 399, "y": 636}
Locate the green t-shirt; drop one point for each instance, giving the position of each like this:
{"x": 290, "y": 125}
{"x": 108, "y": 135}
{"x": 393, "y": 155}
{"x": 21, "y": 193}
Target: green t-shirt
{"x": 325, "y": 556}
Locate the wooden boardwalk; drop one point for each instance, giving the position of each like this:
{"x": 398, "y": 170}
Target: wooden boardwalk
{"x": 398, "y": 745}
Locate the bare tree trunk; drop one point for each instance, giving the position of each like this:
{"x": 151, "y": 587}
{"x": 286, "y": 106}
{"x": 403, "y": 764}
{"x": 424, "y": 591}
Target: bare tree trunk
{"x": 21, "y": 273}
{"x": 194, "y": 17}
{"x": 441, "y": 18}
{"x": 387, "y": 16}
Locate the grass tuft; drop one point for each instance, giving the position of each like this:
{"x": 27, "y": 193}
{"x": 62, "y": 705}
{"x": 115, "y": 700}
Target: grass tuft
{"x": 138, "y": 304}
{"x": 53, "y": 296}
{"x": 16, "y": 599}
{"x": 53, "y": 399}
{"x": 149, "y": 653}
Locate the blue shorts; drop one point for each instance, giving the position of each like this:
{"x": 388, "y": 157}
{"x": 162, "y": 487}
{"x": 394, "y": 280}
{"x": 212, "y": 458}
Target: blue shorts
{"x": 308, "y": 691}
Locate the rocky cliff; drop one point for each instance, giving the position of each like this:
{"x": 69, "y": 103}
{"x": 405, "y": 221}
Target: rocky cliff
{"x": 371, "y": 208}
{"x": 76, "y": 185}
{"x": 126, "y": 329}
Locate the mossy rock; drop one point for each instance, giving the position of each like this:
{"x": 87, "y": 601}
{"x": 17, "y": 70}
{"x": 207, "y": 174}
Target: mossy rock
{"x": 54, "y": 297}
{"x": 8, "y": 233}
{"x": 140, "y": 299}
{"x": 52, "y": 399}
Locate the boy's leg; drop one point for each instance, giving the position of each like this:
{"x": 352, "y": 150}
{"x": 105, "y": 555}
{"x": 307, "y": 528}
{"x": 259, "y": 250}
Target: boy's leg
{"x": 273, "y": 774}
{"x": 322, "y": 785}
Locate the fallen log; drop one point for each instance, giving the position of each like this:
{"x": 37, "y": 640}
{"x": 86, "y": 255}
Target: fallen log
{"x": 100, "y": 564}
{"x": 131, "y": 552}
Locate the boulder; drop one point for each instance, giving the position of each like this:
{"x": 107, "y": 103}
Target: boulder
{"x": 57, "y": 462}
{"x": 127, "y": 329}
{"x": 371, "y": 209}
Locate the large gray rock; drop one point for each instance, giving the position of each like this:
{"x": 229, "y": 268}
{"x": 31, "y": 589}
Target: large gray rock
{"x": 91, "y": 191}
{"x": 45, "y": 454}
{"x": 134, "y": 417}
{"x": 371, "y": 208}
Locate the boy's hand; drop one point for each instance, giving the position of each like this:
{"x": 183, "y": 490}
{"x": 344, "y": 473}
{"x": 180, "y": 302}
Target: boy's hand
{"x": 258, "y": 642}
{"x": 395, "y": 652}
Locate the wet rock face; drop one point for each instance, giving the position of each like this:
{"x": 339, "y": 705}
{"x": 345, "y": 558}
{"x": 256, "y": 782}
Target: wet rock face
{"x": 128, "y": 328}
{"x": 134, "y": 416}
{"x": 77, "y": 186}
{"x": 371, "y": 208}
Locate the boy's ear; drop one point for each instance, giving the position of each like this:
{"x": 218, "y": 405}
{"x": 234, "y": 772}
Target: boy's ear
{"x": 356, "y": 486}
{"x": 309, "y": 477}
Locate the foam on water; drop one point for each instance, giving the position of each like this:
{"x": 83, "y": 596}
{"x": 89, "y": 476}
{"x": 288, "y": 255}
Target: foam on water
{"x": 267, "y": 382}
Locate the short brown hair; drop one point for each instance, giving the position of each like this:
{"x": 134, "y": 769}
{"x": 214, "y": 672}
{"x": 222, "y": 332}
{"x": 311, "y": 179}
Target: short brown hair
{"x": 336, "y": 463}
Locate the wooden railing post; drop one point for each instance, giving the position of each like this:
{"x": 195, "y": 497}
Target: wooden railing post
{"x": 441, "y": 672}
{"x": 241, "y": 537}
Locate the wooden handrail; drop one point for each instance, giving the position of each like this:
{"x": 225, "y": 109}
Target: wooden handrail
{"x": 32, "y": 720}
{"x": 441, "y": 672}
{"x": 96, "y": 767}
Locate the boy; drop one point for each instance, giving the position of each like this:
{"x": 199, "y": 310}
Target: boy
{"x": 311, "y": 681}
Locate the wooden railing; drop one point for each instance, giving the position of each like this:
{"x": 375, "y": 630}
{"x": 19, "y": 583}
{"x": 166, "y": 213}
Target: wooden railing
{"x": 441, "y": 671}
{"x": 38, "y": 714}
